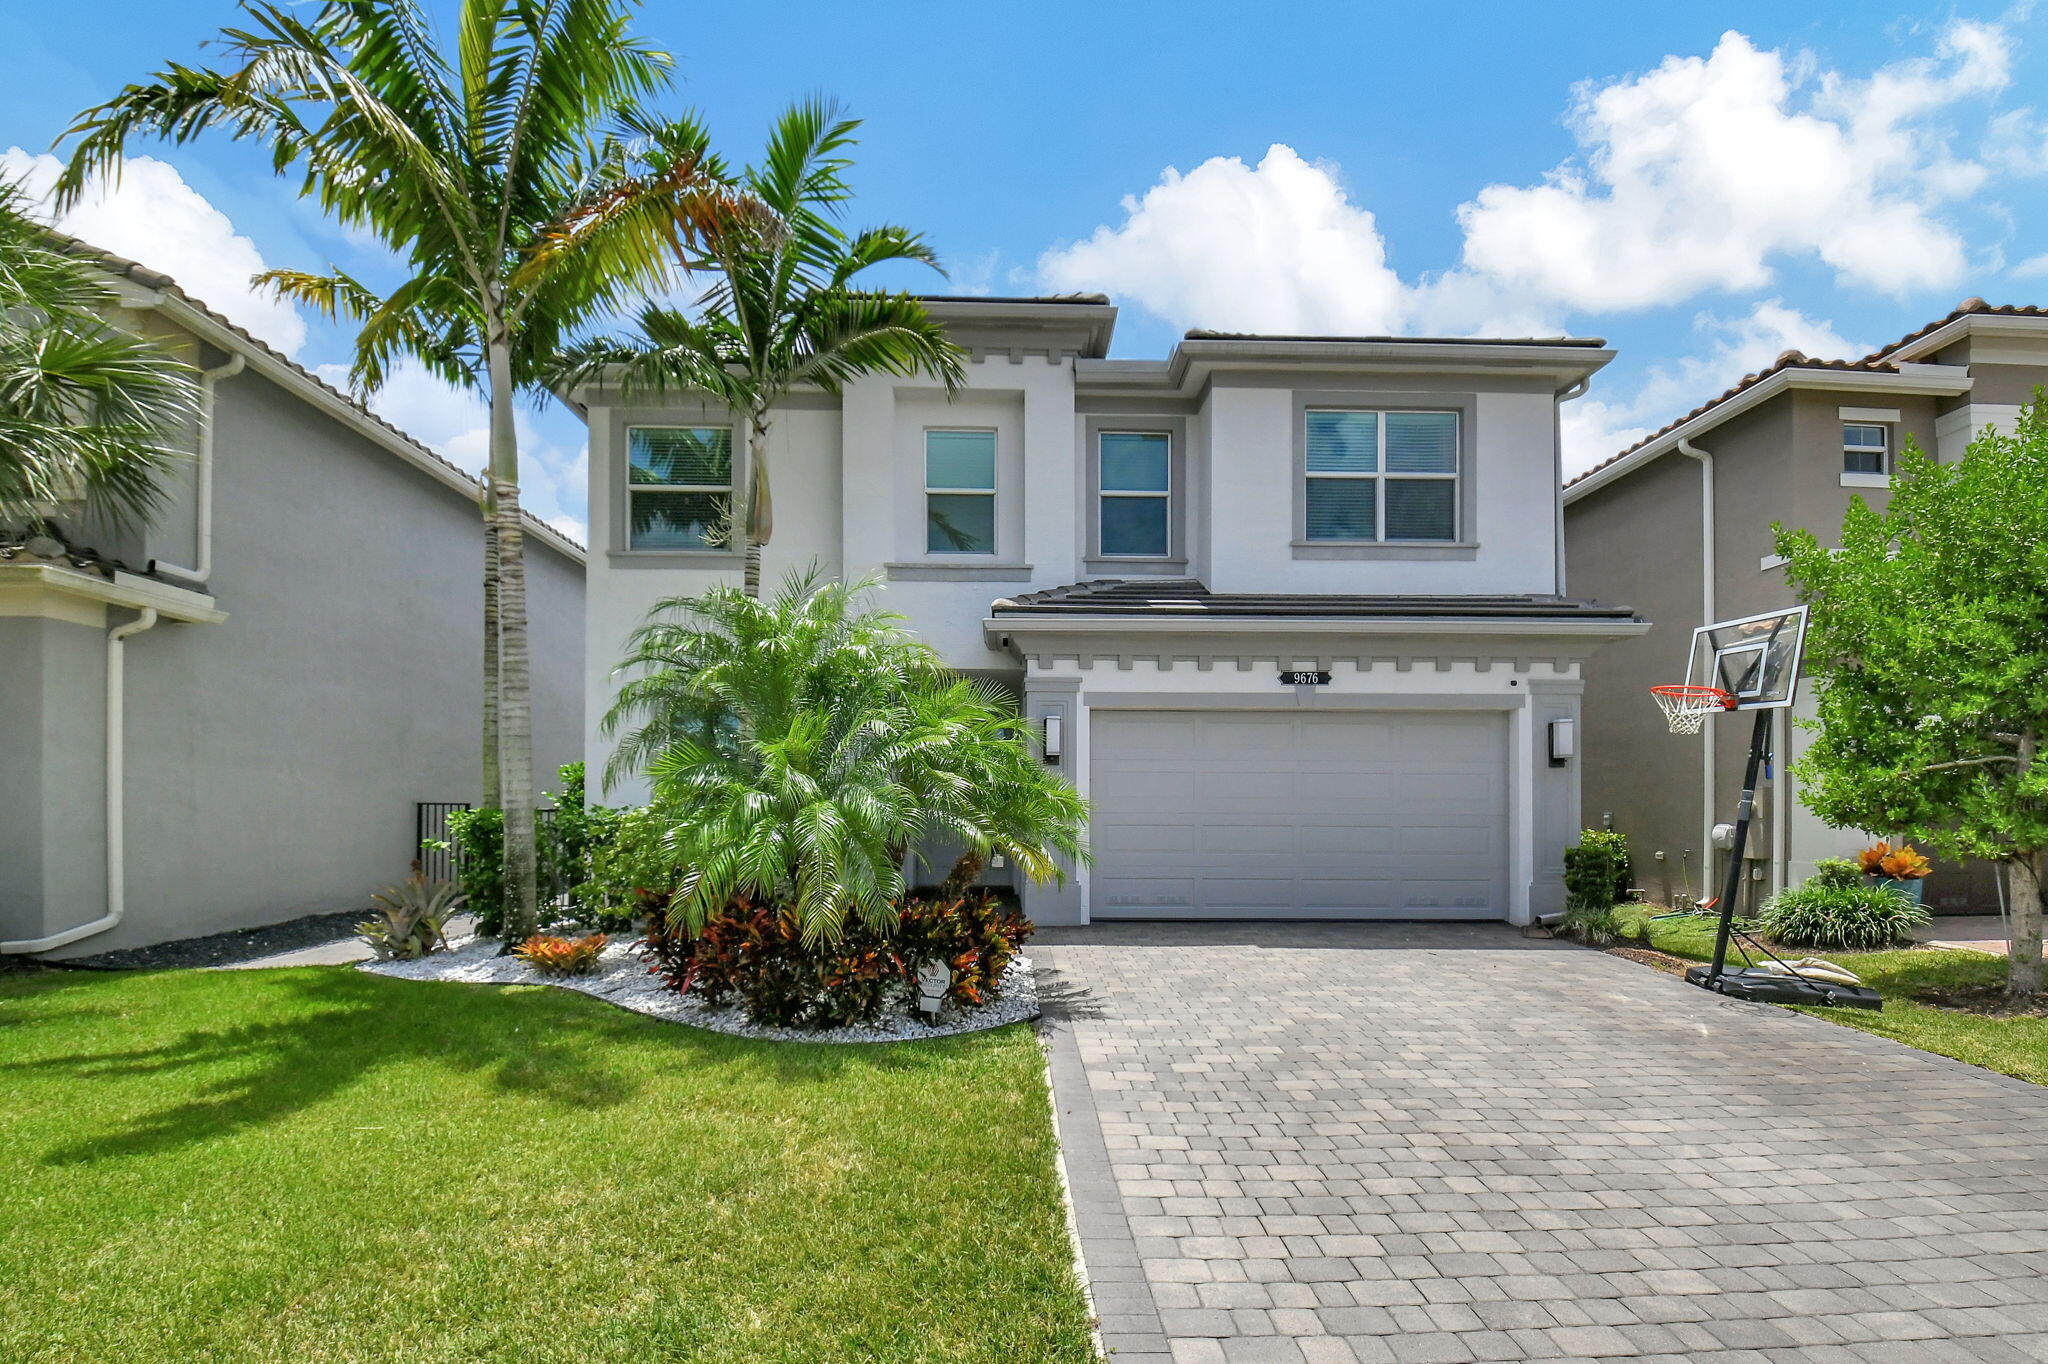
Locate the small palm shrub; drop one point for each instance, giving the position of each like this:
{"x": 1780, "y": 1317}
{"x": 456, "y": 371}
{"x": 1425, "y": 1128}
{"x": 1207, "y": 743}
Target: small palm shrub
{"x": 411, "y": 919}
{"x": 1836, "y": 909}
{"x": 558, "y": 956}
{"x": 758, "y": 957}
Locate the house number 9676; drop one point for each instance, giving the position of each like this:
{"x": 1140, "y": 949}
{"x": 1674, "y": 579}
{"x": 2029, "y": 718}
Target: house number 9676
{"x": 1289, "y": 678}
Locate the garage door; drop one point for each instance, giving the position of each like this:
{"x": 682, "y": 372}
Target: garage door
{"x": 1310, "y": 814}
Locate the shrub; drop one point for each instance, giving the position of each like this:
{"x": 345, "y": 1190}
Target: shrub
{"x": 629, "y": 875}
{"x": 558, "y": 956}
{"x": 1594, "y": 925}
{"x": 478, "y": 838}
{"x": 1822, "y": 913}
{"x": 411, "y": 919}
{"x": 1835, "y": 873}
{"x": 756, "y": 956}
{"x": 1597, "y": 871}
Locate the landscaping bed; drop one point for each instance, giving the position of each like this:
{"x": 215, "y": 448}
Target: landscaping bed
{"x": 622, "y": 978}
{"x": 224, "y": 949}
{"x": 1938, "y": 999}
{"x": 328, "y": 1164}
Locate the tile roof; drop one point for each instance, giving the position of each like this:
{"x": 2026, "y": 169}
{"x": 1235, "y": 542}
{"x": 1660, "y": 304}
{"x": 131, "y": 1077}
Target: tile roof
{"x": 1095, "y": 300}
{"x": 1584, "y": 342}
{"x": 1187, "y": 597}
{"x": 1969, "y": 307}
{"x": 1874, "y": 363}
{"x": 156, "y": 279}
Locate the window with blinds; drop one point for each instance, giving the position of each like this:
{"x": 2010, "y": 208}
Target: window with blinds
{"x": 679, "y": 486}
{"x": 960, "y": 492}
{"x": 1381, "y": 475}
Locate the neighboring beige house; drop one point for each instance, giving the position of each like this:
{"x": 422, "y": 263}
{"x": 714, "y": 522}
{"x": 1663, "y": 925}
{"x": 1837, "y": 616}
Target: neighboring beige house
{"x": 1287, "y": 609}
{"x": 226, "y": 719}
{"x": 1793, "y": 444}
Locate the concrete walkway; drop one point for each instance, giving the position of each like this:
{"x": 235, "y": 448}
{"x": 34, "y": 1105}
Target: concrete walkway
{"x": 1323, "y": 1144}
{"x": 1976, "y": 932}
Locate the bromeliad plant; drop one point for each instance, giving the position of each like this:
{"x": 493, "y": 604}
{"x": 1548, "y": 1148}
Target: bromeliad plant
{"x": 411, "y": 918}
{"x": 801, "y": 747}
{"x": 554, "y": 955}
{"x": 1903, "y": 863}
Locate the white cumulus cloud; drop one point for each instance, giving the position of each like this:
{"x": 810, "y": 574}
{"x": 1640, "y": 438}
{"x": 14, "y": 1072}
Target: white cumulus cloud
{"x": 154, "y": 217}
{"x": 1276, "y": 247}
{"x": 1699, "y": 173}
{"x": 1698, "y": 176}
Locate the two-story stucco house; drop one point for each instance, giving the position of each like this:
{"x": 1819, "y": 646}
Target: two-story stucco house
{"x": 1681, "y": 523}
{"x": 1290, "y": 610}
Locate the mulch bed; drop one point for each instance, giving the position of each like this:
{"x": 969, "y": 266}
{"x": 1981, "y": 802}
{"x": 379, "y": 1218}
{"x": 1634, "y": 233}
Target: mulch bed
{"x": 221, "y": 949}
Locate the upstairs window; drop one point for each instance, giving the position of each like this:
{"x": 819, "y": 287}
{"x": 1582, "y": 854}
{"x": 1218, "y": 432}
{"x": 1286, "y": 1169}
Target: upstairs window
{"x": 1865, "y": 449}
{"x": 1133, "y": 501}
{"x": 1386, "y": 476}
{"x": 960, "y": 492}
{"x": 679, "y": 486}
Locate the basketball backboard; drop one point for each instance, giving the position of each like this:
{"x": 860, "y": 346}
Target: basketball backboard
{"x": 1754, "y": 659}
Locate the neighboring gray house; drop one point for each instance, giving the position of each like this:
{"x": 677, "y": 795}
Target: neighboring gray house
{"x": 1794, "y": 444}
{"x": 1288, "y": 610}
{"x": 226, "y": 720}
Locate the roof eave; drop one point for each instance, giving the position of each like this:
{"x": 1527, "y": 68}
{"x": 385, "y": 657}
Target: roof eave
{"x": 997, "y": 626}
{"x": 1912, "y": 380}
{"x": 1955, "y": 329}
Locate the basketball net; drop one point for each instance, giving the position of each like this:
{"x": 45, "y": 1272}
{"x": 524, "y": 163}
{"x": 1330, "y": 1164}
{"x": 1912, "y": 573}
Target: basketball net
{"x": 1686, "y": 708}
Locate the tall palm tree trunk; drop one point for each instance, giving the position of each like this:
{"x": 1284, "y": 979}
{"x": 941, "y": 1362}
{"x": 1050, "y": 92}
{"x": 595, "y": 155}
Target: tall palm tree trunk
{"x": 515, "y": 675}
{"x": 760, "y": 519}
{"x": 491, "y": 793}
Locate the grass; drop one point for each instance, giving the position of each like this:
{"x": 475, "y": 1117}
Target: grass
{"x": 321, "y": 1165}
{"x": 1938, "y": 1000}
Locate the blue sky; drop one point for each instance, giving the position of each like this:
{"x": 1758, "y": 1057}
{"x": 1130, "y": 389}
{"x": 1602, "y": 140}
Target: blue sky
{"x": 1703, "y": 185}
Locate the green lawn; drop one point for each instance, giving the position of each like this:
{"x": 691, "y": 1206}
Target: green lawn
{"x": 2015, "y": 1045}
{"x": 317, "y": 1164}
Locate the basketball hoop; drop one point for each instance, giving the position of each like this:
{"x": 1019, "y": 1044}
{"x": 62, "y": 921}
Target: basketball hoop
{"x": 1686, "y": 708}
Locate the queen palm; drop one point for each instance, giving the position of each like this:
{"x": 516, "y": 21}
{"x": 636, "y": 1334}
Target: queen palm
{"x": 87, "y": 412}
{"x": 524, "y": 187}
{"x": 784, "y": 311}
{"x": 802, "y": 746}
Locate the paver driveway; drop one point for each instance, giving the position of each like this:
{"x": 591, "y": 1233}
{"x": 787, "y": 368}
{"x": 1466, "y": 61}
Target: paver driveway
{"x": 1325, "y": 1143}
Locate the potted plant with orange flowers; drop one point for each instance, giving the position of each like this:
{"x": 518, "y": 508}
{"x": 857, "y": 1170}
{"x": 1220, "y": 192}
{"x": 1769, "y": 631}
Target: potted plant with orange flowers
{"x": 1903, "y": 869}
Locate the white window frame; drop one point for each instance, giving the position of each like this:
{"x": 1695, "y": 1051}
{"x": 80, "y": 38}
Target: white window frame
{"x": 992, "y": 492}
{"x": 1380, "y": 475}
{"x": 724, "y": 489}
{"x": 1164, "y": 495}
{"x": 1884, "y": 454}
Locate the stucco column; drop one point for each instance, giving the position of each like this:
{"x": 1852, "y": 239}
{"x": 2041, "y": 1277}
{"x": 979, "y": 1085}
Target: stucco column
{"x": 1554, "y": 813}
{"x": 53, "y": 871}
{"x": 1044, "y": 696}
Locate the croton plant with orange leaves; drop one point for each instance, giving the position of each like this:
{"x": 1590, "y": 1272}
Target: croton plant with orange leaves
{"x": 1903, "y": 863}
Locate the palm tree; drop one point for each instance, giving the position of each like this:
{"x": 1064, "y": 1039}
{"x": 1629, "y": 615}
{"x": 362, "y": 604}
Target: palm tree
{"x": 87, "y": 412}
{"x": 800, "y": 747}
{"x": 524, "y": 186}
{"x": 784, "y": 311}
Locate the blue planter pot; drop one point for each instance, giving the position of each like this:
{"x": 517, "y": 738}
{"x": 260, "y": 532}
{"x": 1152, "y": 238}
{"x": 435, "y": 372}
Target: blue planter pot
{"x": 1914, "y": 890}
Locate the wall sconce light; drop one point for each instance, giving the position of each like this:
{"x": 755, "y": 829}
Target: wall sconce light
{"x": 1055, "y": 732}
{"x": 1564, "y": 739}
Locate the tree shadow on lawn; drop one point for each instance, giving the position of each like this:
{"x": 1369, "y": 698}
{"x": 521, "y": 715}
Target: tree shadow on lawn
{"x": 359, "y": 1024}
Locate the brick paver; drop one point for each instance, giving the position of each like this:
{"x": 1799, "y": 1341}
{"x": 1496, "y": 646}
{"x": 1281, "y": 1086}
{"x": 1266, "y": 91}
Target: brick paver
{"x": 1329, "y": 1144}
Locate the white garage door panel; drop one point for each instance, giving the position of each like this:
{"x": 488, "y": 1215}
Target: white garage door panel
{"x": 1258, "y": 814}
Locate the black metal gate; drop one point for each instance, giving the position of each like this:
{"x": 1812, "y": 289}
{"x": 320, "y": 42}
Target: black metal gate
{"x": 430, "y": 824}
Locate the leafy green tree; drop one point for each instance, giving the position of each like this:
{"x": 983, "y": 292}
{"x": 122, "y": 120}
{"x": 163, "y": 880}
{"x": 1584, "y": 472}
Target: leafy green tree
{"x": 801, "y": 746}
{"x": 1928, "y": 650}
{"x": 784, "y": 311}
{"x": 88, "y": 412}
{"x": 525, "y": 188}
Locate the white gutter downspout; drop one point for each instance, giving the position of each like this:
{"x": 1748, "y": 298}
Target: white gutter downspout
{"x": 1707, "y": 616}
{"x": 117, "y": 884}
{"x": 1563, "y": 396}
{"x": 202, "y": 535}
